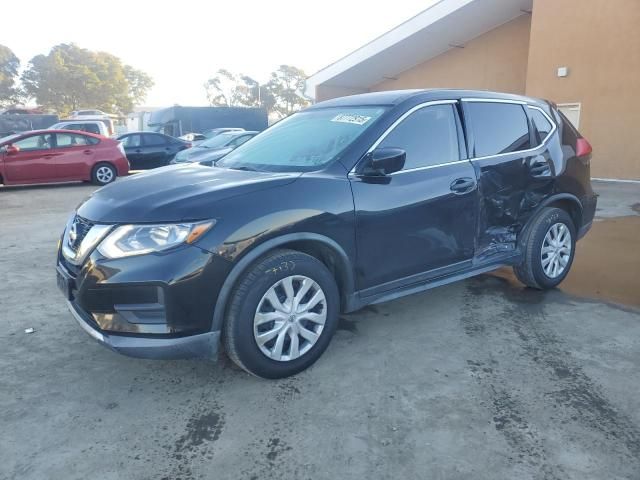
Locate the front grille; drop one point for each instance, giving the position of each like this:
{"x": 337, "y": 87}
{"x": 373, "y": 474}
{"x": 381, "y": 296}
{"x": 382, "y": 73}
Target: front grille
{"x": 79, "y": 229}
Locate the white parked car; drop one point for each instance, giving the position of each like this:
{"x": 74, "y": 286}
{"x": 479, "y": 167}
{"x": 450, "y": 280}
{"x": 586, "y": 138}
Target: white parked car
{"x": 92, "y": 126}
{"x": 88, "y": 113}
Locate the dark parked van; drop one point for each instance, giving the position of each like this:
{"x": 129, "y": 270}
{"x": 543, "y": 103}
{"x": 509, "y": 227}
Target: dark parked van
{"x": 353, "y": 201}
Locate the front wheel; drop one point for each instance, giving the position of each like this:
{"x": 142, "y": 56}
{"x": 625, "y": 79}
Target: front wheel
{"x": 548, "y": 250}
{"x": 282, "y": 315}
{"x": 103, "y": 173}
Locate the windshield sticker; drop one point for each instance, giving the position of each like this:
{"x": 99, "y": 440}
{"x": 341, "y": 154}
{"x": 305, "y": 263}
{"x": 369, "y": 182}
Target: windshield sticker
{"x": 351, "y": 118}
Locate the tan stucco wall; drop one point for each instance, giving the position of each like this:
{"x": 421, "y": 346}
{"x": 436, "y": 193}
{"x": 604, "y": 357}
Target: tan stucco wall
{"x": 496, "y": 60}
{"x": 599, "y": 40}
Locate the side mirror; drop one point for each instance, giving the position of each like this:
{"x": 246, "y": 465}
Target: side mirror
{"x": 12, "y": 149}
{"x": 383, "y": 161}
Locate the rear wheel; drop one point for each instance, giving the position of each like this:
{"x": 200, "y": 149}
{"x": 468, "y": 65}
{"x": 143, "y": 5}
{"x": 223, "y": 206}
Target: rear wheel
{"x": 103, "y": 173}
{"x": 282, "y": 315}
{"x": 548, "y": 250}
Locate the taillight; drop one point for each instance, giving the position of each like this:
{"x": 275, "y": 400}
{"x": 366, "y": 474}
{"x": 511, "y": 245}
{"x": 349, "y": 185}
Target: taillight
{"x": 583, "y": 147}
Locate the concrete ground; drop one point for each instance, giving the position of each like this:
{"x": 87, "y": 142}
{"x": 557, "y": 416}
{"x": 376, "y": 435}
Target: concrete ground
{"x": 481, "y": 379}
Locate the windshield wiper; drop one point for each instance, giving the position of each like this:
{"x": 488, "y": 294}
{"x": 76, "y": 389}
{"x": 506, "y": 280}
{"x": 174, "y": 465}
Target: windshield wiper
{"x": 244, "y": 169}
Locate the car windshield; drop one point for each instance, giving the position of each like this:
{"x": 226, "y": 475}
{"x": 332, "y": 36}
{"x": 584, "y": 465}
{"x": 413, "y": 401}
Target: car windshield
{"x": 218, "y": 141}
{"x": 305, "y": 141}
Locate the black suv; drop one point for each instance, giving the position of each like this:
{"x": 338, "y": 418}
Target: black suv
{"x": 353, "y": 201}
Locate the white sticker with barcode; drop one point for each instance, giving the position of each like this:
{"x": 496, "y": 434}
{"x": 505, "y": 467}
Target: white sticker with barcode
{"x": 351, "y": 118}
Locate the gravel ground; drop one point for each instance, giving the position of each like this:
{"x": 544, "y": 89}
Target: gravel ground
{"x": 481, "y": 379}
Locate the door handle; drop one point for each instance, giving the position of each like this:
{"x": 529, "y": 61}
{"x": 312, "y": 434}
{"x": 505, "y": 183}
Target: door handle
{"x": 462, "y": 185}
{"x": 49, "y": 155}
{"x": 87, "y": 152}
{"x": 138, "y": 151}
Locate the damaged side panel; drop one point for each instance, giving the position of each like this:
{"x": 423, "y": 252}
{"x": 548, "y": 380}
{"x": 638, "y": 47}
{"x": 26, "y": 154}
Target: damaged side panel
{"x": 509, "y": 195}
{"x": 513, "y": 177}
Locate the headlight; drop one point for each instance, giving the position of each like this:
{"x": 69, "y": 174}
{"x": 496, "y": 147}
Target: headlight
{"x": 128, "y": 240}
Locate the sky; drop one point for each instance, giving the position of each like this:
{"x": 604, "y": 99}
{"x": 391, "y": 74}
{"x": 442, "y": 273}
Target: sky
{"x": 182, "y": 44}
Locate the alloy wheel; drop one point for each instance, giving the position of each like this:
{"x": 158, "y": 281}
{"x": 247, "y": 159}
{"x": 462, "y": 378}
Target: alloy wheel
{"x": 104, "y": 174}
{"x": 556, "y": 250}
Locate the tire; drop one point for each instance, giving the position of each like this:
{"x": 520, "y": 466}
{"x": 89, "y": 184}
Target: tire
{"x": 103, "y": 173}
{"x": 537, "y": 268}
{"x": 249, "y": 306}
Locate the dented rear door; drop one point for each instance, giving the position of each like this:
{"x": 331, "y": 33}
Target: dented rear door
{"x": 512, "y": 176}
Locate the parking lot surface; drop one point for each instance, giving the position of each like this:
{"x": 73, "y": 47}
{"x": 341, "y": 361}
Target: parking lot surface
{"x": 481, "y": 379}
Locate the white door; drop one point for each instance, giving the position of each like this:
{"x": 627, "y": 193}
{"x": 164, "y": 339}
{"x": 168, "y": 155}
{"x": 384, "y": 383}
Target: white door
{"x": 572, "y": 112}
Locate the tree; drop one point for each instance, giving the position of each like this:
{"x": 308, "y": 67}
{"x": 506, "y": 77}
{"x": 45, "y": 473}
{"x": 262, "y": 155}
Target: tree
{"x": 9, "y": 65}
{"x": 220, "y": 88}
{"x": 70, "y": 78}
{"x": 281, "y": 95}
{"x": 286, "y": 86}
{"x": 139, "y": 84}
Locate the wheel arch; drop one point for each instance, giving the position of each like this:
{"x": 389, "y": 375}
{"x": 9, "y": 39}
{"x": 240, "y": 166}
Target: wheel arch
{"x": 564, "y": 201}
{"x": 325, "y": 249}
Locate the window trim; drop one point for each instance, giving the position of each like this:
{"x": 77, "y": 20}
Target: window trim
{"x": 465, "y": 127}
{"x": 514, "y": 102}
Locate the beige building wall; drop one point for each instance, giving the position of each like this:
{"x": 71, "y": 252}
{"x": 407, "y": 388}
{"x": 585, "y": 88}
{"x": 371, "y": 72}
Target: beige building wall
{"x": 496, "y": 60}
{"x": 599, "y": 41}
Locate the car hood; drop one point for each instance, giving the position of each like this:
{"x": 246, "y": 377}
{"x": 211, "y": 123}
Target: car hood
{"x": 175, "y": 193}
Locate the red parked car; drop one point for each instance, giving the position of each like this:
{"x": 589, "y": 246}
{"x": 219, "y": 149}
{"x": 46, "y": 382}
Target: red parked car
{"x": 43, "y": 156}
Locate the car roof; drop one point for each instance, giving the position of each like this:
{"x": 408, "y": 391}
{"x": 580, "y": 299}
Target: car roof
{"x": 58, "y": 130}
{"x": 395, "y": 97}
{"x": 47, "y": 131}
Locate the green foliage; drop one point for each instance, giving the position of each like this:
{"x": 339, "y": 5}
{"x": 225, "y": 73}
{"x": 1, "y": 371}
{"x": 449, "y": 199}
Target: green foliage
{"x": 71, "y": 78}
{"x": 287, "y": 86}
{"x": 9, "y": 65}
{"x": 282, "y": 95}
{"x": 221, "y": 89}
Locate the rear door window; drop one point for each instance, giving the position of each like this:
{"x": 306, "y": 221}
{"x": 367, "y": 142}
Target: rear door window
{"x": 154, "y": 140}
{"x": 498, "y": 128}
{"x": 71, "y": 140}
{"x": 429, "y": 137}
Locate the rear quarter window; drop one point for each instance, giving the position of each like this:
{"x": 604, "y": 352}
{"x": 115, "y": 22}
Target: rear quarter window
{"x": 498, "y": 128}
{"x": 542, "y": 127}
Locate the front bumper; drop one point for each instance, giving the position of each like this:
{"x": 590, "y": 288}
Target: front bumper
{"x": 203, "y": 345}
{"x": 147, "y": 306}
